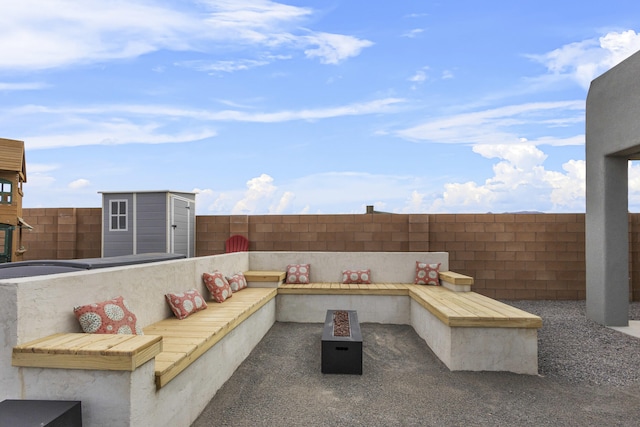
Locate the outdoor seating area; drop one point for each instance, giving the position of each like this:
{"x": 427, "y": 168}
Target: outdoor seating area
{"x": 192, "y": 358}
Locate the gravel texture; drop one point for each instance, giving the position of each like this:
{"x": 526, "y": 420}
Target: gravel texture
{"x": 588, "y": 377}
{"x": 575, "y": 349}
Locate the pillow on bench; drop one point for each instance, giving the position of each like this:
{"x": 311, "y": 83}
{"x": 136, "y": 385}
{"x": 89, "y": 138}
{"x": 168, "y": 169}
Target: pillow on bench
{"x": 298, "y": 274}
{"x": 107, "y": 317}
{"x": 217, "y": 285}
{"x": 427, "y": 274}
{"x": 359, "y": 277}
{"x": 186, "y": 303}
{"x": 237, "y": 282}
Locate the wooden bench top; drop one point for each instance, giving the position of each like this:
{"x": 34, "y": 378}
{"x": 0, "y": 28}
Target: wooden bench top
{"x": 264, "y": 276}
{"x": 455, "y": 309}
{"x": 470, "y": 309}
{"x": 88, "y": 351}
{"x": 186, "y": 340}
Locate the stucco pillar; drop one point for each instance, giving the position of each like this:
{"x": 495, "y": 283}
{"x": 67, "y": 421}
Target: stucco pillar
{"x": 607, "y": 247}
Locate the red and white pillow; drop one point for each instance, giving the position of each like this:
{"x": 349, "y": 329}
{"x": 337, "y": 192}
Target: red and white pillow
{"x": 108, "y": 317}
{"x": 217, "y": 285}
{"x": 183, "y": 304}
{"x": 298, "y": 273}
{"x": 356, "y": 276}
{"x": 237, "y": 282}
{"x": 427, "y": 274}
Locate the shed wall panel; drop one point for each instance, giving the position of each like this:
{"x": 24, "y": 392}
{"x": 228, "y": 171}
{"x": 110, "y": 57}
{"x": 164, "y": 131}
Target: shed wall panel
{"x": 151, "y": 222}
{"x": 117, "y": 242}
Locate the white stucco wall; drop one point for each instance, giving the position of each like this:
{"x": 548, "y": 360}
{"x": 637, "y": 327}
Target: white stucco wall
{"x": 398, "y": 267}
{"x": 388, "y": 309}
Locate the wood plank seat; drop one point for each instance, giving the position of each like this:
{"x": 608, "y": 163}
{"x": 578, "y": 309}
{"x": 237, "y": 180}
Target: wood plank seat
{"x": 455, "y": 309}
{"x": 184, "y": 341}
{"x": 470, "y": 309}
{"x": 88, "y": 351}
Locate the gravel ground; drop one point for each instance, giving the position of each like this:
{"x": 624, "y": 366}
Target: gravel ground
{"x": 574, "y": 349}
{"x": 589, "y": 376}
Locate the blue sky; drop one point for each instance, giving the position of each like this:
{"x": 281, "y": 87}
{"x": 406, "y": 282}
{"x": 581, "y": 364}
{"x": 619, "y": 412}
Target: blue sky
{"x": 310, "y": 106}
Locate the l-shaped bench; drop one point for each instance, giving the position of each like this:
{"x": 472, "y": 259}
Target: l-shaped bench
{"x": 467, "y": 331}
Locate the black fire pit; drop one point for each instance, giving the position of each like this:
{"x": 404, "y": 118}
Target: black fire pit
{"x": 341, "y": 344}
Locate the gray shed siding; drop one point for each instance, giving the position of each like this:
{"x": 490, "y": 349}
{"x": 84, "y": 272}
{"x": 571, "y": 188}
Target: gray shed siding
{"x": 151, "y": 222}
{"x": 117, "y": 242}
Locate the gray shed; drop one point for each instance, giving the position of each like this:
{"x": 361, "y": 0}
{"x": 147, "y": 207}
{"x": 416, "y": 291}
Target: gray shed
{"x": 140, "y": 222}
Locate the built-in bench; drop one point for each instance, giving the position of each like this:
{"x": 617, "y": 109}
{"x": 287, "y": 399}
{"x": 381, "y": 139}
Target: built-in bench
{"x": 184, "y": 341}
{"x": 466, "y": 330}
{"x": 179, "y": 361}
{"x": 173, "y": 344}
{"x": 466, "y": 309}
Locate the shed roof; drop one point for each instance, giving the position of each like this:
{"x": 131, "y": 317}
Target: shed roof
{"x": 12, "y": 157}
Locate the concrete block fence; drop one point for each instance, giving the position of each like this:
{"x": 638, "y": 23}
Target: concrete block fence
{"x": 510, "y": 256}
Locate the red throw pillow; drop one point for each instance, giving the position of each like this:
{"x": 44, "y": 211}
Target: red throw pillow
{"x": 356, "y": 276}
{"x": 186, "y": 303}
{"x": 298, "y": 273}
{"x": 427, "y": 274}
{"x": 107, "y": 317}
{"x": 237, "y": 282}
{"x": 217, "y": 285}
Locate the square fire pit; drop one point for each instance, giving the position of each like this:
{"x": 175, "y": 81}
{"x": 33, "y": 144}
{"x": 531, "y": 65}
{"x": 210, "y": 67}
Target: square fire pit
{"x": 341, "y": 343}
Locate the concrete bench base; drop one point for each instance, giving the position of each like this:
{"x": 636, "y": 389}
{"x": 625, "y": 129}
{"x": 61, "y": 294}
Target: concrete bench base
{"x": 478, "y": 349}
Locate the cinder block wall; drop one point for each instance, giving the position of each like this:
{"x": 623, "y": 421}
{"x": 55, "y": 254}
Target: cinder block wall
{"x": 516, "y": 256}
{"x": 63, "y": 233}
{"x": 511, "y": 256}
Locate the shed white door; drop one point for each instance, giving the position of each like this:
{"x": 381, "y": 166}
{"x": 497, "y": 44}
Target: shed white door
{"x": 182, "y": 226}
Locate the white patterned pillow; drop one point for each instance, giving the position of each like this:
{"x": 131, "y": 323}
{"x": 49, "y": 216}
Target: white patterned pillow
{"x": 298, "y": 273}
{"x": 186, "y": 303}
{"x": 107, "y": 317}
{"x": 237, "y": 282}
{"x": 356, "y": 276}
{"x": 427, "y": 274}
{"x": 217, "y": 285}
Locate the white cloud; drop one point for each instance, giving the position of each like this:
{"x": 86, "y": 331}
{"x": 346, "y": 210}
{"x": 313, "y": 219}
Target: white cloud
{"x": 585, "y": 60}
{"x": 420, "y": 75}
{"x": 22, "y": 86}
{"x": 520, "y": 182}
{"x": 114, "y": 133}
{"x": 259, "y": 190}
{"x": 223, "y": 66}
{"x": 79, "y": 183}
{"x": 59, "y": 33}
{"x": 154, "y": 124}
{"x": 413, "y": 33}
{"x": 283, "y": 203}
{"x": 334, "y": 48}
{"x": 87, "y": 125}
{"x": 501, "y": 125}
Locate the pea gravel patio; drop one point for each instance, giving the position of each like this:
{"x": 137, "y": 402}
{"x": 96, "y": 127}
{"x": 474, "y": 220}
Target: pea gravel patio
{"x": 589, "y": 376}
